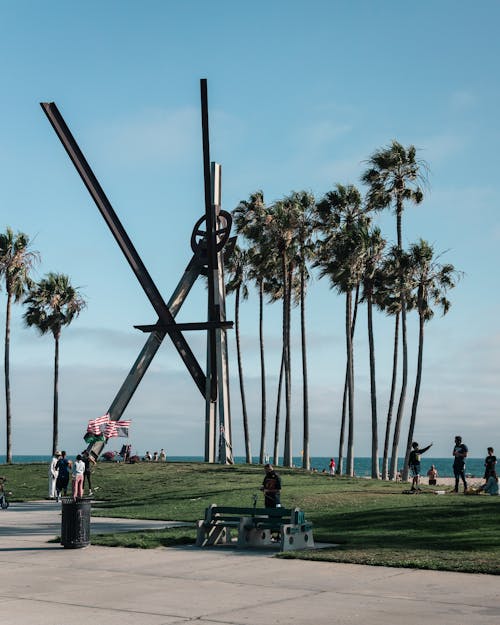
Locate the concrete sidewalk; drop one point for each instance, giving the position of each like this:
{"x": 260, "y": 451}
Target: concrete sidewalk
{"x": 44, "y": 584}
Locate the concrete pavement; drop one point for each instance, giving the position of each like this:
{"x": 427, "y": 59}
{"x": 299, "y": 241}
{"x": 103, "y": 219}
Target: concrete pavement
{"x": 43, "y": 584}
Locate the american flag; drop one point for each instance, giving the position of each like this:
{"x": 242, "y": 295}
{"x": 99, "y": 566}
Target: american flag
{"x": 117, "y": 428}
{"x": 97, "y": 426}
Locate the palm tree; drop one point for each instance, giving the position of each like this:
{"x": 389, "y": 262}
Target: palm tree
{"x": 16, "y": 264}
{"x": 393, "y": 288}
{"x": 52, "y": 304}
{"x": 250, "y": 218}
{"x": 432, "y": 281}
{"x": 282, "y": 226}
{"x": 305, "y": 230}
{"x": 236, "y": 266}
{"x": 374, "y": 245}
{"x": 394, "y": 177}
{"x": 340, "y": 256}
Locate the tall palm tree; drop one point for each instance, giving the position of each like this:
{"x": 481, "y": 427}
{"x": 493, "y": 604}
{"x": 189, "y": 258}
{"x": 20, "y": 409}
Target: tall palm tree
{"x": 394, "y": 177}
{"x": 340, "y": 256}
{"x": 374, "y": 246}
{"x": 52, "y": 304}
{"x": 250, "y": 218}
{"x": 236, "y": 266}
{"x": 16, "y": 264}
{"x": 393, "y": 288}
{"x": 282, "y": 226}
{"x": 432, "y": 281}
{"x": 305, "y": 252}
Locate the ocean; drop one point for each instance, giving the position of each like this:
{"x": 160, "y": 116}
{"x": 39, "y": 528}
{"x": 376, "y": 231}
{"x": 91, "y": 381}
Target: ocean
{"x": 362, "y": 466}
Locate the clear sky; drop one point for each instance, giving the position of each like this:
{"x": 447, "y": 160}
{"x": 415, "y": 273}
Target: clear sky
{"x": 300, "y": 94}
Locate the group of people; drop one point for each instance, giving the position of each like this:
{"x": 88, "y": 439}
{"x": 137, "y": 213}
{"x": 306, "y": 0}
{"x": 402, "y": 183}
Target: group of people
{"x": 156, "y": 457}
{"x": 59, "y": 474}
{"x": 460, "y": 453}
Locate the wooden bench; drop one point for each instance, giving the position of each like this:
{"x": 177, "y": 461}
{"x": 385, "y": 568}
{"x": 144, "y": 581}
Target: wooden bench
{"x": 256, "y": 527}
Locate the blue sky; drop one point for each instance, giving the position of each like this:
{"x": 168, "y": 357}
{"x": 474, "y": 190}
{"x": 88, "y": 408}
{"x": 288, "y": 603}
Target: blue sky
{"x": 300, "y": 95}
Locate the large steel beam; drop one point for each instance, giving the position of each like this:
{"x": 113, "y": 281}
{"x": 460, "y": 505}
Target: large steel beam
{"x": 211, "y": 224}
{"x": 124, "y": 242}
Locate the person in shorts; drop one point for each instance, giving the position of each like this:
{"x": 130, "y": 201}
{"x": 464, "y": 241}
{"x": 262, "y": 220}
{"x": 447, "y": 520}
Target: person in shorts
{"x": 414, "y": 464}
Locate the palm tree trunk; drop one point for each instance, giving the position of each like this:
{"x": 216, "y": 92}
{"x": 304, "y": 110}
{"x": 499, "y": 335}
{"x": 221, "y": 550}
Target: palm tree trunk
{"x": 306, "y": 460}
{"x": 416, "y": 394}
{"x": 340, "y": 465}
{"x": 8, "y": 415}
{"x": 373, "y": 390}
{"x": 248, "y": 453}
{"x": 350, "y": 354}
{"x": 287, "y": 454}
{"x": 262, "y": 375}
{"x": 55, "y": 415}
{"x": 402, "y": 396}
{"x": 278, "y": 409}
{"x": 385, "y": 462}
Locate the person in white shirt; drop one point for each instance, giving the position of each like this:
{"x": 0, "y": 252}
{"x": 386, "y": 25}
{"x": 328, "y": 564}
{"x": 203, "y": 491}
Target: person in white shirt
{"x": 77, "y": 474}
{"x": 53, "y": 473}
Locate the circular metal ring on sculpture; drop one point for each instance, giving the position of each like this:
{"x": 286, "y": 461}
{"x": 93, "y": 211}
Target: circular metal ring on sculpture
{"x": 199, "y": 235}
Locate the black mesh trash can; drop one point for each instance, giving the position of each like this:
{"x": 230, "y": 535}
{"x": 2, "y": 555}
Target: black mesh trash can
{"x": 75, "y": 523}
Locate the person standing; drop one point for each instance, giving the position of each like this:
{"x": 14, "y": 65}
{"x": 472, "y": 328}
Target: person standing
{"x": 490, "y": 463}
{"x": 414, "y": 463}
{"x": 163, "y": 455}
{"x": 87, "y": 473}
{"x": 62, "y": 481}
{"x": 77, "y": 481}
{"x": 331, "y": 467}
{"x": 460, "y": 451}
{"x": 53, "y": 472}
{"x": 271, "y": 486}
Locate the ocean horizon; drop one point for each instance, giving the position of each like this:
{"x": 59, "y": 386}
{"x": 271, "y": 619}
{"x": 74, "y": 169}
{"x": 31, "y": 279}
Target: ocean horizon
{"x": 362, "y": 465}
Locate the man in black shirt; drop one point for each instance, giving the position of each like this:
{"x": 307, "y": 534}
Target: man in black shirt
{"x": 460, "y": 452}
{"x": 489, "y": 463}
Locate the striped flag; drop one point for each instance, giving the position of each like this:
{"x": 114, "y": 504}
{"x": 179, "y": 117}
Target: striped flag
{"x": 117, "y": 428}
{"x": 98, "y": 426}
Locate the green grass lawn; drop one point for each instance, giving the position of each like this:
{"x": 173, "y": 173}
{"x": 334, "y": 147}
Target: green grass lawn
{"x": 372, "y": 522}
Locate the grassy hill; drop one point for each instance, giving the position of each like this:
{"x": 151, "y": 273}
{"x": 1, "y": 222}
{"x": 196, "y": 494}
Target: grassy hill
{"x": 372, "y": 522}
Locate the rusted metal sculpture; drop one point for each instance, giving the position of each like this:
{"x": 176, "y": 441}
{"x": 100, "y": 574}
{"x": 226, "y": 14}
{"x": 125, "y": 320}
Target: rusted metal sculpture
{"x": 207, "y": 245}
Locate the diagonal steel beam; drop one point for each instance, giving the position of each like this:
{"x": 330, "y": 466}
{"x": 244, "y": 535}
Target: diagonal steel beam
{"x": 124, "y": 242}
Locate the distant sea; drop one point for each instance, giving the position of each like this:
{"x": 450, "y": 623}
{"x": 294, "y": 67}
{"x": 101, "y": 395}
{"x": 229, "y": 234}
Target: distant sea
{"x": 362, "y": 466}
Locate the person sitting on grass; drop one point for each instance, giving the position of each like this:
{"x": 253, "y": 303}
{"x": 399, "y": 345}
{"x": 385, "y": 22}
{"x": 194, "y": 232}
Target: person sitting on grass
{"x": 491, "y": 486}
{"x": 414, "y": 464}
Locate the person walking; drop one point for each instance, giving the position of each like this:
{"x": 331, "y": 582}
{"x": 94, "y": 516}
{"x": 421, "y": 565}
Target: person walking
{"x": 414, "y": 463}
{"x": 62, "y": 480}
{"x": 490, "y": 463}
{"x": 77, "y": 481}
{"x": 460, "y": 451}
{"x": 53, "y": 472}
{"x": 271, "y": 486}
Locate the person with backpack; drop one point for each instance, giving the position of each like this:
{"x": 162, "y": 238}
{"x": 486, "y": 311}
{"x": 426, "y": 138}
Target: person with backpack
{"x": 414, "y": 464}
{"x": 62, "y": 481}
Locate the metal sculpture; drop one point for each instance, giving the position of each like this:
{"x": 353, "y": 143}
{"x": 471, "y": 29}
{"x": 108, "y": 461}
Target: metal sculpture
{"x": 208, "y": 247}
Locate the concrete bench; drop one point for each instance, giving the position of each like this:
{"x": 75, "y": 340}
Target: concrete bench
{"x": 256, "y": 527}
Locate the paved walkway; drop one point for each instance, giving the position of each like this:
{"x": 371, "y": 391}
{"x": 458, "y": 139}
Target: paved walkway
{"x": 43, "y": 584}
